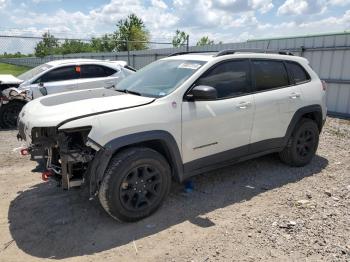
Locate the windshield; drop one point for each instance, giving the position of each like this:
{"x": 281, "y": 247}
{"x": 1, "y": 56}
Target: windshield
{"x": 33, "y": 72}
{"x": 159, "y": 78}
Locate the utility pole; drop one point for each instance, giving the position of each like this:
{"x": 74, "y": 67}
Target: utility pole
{"x": 188, "y": 43}
{"x": 128, "y": 49}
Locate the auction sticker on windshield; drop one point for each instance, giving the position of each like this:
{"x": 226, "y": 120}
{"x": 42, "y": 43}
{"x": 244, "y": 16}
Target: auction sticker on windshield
{"x": 186, "y": 65}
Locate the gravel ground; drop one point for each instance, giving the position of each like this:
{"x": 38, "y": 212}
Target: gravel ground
{"x": 259, "y": 210}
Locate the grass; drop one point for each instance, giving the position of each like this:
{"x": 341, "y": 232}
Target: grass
{"x": 12, "y": 69}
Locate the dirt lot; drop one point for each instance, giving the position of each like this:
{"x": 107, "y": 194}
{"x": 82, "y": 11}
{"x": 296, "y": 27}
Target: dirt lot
{"x": 257, "y": 210}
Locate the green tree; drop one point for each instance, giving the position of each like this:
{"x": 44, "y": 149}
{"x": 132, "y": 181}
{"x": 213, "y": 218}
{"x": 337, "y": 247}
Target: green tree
{"x": 205, "y": 41}
{"x": 133, "y": 30}
{"x": 74, "y": 46}
{"x": 47, "y": 46}
{"x": 105, "y": 43}
{"x": 180, "y": 38}
{"x": 14, "y": 55}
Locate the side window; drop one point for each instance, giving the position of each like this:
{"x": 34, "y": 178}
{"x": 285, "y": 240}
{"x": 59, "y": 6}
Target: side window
{"x": 59, "y": 74}
{"x": 269, "y": 74}
{"x": 297, "y": 72}
{"x": 92, "y": 71}
{"x": 229, "y": 79}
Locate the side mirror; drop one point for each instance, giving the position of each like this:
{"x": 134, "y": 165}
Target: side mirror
{"x": 203, "y": 93}
{"x": 42, "y": 89}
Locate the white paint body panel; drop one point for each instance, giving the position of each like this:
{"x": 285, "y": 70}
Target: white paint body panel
{"x": 210, "y": 127}
{"x": 37, "y": 114}
{"x": 274, "y": 111}
{"x": 9, "y": 79}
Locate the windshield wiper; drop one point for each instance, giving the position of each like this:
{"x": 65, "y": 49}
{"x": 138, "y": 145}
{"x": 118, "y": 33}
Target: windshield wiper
{"x": 129, "y": 92}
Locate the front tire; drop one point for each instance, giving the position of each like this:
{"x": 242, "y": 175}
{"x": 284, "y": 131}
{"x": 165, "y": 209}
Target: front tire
{"x": 302, "y": 145}
{"x": 136, "y": 182}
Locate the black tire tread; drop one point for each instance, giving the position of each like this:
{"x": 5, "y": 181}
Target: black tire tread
{"x": 103, "y": 192}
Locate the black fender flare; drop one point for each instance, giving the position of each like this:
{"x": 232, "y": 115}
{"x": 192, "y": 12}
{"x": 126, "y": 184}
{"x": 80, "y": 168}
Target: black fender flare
{"x": 315, "y": 109}
{"x": 103, "y": 156}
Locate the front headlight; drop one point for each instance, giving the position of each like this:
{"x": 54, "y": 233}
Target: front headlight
{"x": 13, "y": 93}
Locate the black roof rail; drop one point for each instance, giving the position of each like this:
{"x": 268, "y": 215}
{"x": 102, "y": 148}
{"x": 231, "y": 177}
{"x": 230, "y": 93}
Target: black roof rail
{"x": 252, "y": 50}
{"x": 191, "y": 52}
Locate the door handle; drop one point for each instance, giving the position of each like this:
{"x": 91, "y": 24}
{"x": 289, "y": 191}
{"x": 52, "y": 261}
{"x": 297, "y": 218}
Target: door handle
{"x": 294, "y": 95}
{"x": 244, "y": 105}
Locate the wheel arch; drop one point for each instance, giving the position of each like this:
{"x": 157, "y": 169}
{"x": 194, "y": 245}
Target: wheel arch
{"x": 158, "y": 140}
{"x": 313, "y": 112}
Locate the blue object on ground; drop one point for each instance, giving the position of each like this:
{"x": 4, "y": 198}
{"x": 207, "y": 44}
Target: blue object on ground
{"x": 189, "y": 186}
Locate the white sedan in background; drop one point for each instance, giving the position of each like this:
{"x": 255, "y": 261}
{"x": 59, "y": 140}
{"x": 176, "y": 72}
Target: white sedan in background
{"x": 56, "y": 77}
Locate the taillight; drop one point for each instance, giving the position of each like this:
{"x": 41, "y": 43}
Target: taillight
{"x": 324, "y": 85}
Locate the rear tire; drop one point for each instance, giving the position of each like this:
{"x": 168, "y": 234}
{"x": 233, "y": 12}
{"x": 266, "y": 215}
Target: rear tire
{"x": 136, "y": 182}
{"x": 9, "y": 113}
{"x": 302, "y": 145}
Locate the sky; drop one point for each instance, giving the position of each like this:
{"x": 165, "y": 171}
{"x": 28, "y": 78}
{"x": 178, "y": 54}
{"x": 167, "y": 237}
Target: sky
{"x": 220, "y": 20}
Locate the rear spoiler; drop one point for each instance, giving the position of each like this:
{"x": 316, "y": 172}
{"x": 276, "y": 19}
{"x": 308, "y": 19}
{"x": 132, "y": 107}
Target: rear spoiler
{"x": 130, "y": 68}
{"x": 123, "y": 64}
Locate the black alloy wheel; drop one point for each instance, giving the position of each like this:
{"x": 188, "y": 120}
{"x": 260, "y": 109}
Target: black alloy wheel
{"x": 305, "y": 143}
{"x": 140, "y": 188}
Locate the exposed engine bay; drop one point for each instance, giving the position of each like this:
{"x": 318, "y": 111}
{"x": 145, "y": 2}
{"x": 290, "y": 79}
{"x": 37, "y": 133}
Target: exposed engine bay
{"x": 66, "y": 154}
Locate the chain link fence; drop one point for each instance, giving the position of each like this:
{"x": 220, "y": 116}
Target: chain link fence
{"x": 329, "y": 56}
{"x": 32, "y": 51}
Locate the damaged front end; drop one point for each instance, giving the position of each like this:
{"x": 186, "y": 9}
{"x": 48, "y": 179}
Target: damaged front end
{"x": 66, "y": 153}
{"x": 12, "y": 100}
{"x": 13, "y": 93}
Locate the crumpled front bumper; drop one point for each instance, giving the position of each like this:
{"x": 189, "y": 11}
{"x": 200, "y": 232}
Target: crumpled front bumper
{"x": 21, "y": 131}
{"x": 14, "y": 93}
{"x": 36, "y": 153}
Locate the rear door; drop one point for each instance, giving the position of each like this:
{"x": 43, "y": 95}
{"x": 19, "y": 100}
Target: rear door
{"x": 98, "y": 76}
{"x": 276, "y": 100}
{"x": 218, "y": 130}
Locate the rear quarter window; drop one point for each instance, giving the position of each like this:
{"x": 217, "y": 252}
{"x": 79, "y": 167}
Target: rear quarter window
{"x": 297, "y": 73}
{"x": 94, "y": 71}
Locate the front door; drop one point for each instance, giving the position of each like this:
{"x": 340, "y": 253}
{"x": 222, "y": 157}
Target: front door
{"x": 215, "y": 131}
{"x": 62, "y": 79}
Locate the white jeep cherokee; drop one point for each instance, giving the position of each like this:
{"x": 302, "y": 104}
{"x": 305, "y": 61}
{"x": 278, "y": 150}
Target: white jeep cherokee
{"x": 175, "y": 118}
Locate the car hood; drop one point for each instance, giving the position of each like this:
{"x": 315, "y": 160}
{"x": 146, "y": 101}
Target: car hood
{"x": 53, "y": 110}
{"x": 10, "y": 79}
